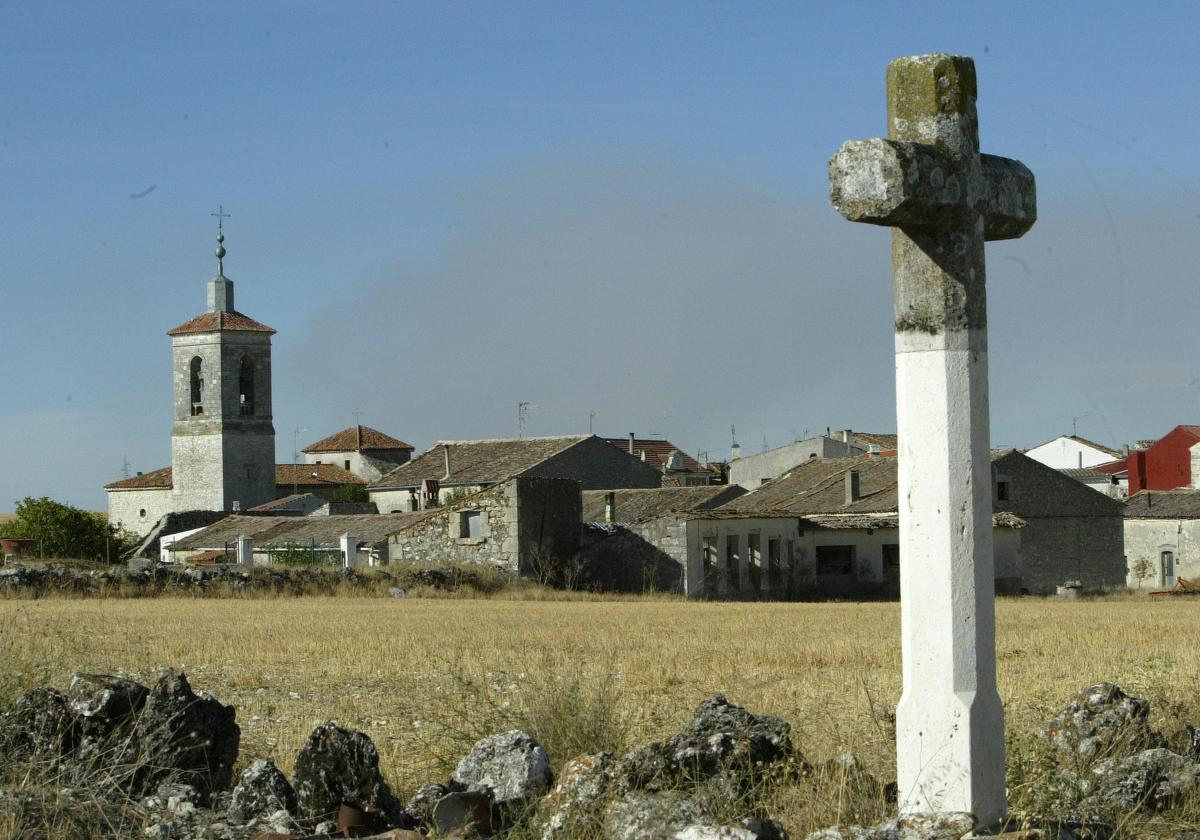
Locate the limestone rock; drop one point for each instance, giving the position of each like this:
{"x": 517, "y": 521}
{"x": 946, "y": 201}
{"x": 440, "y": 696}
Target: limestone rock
{"x": 189, "y": 738}
{"x": 261, "y": 792}
{"x": 1153, "y": 779}
{"x": 420, "y": 806}
{"x": 1100, "y": 721}
{"x": 41, "y": 724}
{"x": 572, "y": 806}
{"x": 644, "y": 815}
{"x": 722, "y": 739}
{"x": 104, "y": 706}
{"x": 752, "y": 829}
{"x": 340, "y": 766}
{"x": 512, "y": 765}
{"x": 911, "y": 827}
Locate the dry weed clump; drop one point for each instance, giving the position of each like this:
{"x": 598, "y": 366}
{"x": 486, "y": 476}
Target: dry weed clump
{"x": 426, "y": 676}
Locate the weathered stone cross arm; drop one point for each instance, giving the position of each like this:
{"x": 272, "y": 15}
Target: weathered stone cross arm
{"x": 916, "y": 185}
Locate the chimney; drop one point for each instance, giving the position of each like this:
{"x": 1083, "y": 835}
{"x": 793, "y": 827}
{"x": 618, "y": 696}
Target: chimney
{"x": 446, "y": 460}
{"x": 847, "y": 435}
{"x": 610, "y": 506}
{"x": 631, "y": 439}
{"x": 735, "y": 452}
{"x": 852, "y": 494}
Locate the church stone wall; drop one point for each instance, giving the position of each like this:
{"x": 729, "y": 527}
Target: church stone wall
{"x": 137, "y": 511}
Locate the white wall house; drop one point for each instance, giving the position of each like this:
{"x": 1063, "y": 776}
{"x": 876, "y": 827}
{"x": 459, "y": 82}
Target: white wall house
{"x": 752, "y": 471}
{"x": 1071, "y": 452}
{"x": 1162, "y": 537}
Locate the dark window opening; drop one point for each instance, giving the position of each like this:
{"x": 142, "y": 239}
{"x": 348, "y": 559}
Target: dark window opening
{"x": 1002, "y": 491}
{"x": 835, "y": 560}
{"x": 246, "y": 387}
{"x": 347, "y": 464}
{"x": 891, "y": 561}
{"x": 196, "y": 378}
{"x": 469, "y": 524}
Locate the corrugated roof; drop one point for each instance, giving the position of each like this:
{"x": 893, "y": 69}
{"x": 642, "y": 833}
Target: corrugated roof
{"x": 302, "y": 475}
{"x": 657, "y": 452}
{"x": 643, "y": 505}
{"x": 356, "y": 439}
{"x": 220, "y": 322}
{"x": 476, "y": 461}
{"x": 303, "y": 530}
{"x": 1183, "y": 503}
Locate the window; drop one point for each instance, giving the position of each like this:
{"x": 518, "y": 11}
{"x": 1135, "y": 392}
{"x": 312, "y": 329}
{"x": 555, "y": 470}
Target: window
{"x": 1002, "y": 489}
{"x": 774, "y": 576}
{"x": 835, "y": 560}
{"x": 196, "y": 380}
{"x": 754, "y": 559}
{"x": 710, "y": 564}
{"x": 732, "y": 562}
{"x": 469, "y": 525}
{"x": 347, "y": 463}
{"x": 142, "y": 513}
{"x": 246, "y": 387}
{"x": 891, "y": 561}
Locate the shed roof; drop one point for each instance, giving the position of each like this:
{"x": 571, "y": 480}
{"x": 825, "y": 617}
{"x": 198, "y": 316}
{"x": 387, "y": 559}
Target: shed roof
{"x": 1183, "y": 503}
{"x": 356, "y": 439}
{"x": 476, "y": 461}
{"x": 303, "y": 530}
{"x": 643, "y": 505}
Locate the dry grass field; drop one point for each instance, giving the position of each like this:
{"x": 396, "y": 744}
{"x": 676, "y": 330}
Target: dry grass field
{"x": 426, "y": 677}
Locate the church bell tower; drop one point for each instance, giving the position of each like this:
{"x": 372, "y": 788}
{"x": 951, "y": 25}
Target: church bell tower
{"x": 222, "y": 438}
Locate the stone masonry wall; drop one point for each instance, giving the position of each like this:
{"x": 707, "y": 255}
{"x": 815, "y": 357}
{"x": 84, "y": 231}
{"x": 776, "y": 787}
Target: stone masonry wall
{"x": 598, "y": 465}
{"x": 1147, "y": 539}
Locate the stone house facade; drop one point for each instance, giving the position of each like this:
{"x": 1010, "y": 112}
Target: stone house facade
{"x": 1162, "y": 537}
{"x": 452, "y": 469}
{"x": 526, "y": 525}
{"x": 366, "y": 452}
{"x": 1072, "y": 532}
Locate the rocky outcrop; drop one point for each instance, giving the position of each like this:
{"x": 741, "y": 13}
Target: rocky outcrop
{"x": 338, "y": 767}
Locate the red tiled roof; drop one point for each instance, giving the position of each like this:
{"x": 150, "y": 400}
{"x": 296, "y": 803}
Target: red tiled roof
{"x": 156, "y": 480}
{"x": 356, "y": 439}
{"x": 302, "y": 475}
{"x": 219, "y": 322}
{"x": 657, "y": 452}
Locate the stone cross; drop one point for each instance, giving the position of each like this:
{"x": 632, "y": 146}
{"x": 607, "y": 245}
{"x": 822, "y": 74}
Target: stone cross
{"x": 942, "y": 199}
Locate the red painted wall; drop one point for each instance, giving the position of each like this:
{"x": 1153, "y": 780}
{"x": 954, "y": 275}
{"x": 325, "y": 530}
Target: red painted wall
{"x": 1165, "y": 465}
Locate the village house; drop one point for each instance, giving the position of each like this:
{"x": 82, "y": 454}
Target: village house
{"x": 752, "y": 471}
{"x": 455, "y": 468}
{"x": 1071, "y": 452}
{"x": 1072, "y": 532}
{"x": 364, "y": 451}
{"x": 1164, "y": 464}
{"x": 636, "y": 540}
{"x": 525, "y": 524}
{"x": 1162, "y": 537}
{"x": 678, "y": 469}
{"x": 829, "y": 527}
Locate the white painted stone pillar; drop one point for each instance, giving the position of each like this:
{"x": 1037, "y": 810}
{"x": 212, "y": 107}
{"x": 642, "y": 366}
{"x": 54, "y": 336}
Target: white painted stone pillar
{"x": 245, "y": 551}
{"x": 349, "y": 549}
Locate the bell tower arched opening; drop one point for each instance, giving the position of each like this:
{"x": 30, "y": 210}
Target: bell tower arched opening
{"x": 196, "y": 378}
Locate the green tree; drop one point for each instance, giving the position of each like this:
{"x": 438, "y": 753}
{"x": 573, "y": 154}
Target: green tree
{"x": 65, "y": 531}
{"x": 351, "y": 493}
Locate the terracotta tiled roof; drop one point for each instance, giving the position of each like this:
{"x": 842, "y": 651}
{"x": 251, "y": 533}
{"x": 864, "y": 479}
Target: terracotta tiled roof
{"x": 313, "y": 475}
{"x": 356, "y": 439}
{"x": 283, "y": 502}
{"x": 302, "y": 475}
{"x": 817, "y": 487}
{"x": 866, "y": 439}
{"x": 657, "y": 452}
{"x": 156, "y": 480}
{"x": 220, "y": 321}
{"x": 476, "y": 461}
{"x": 643, "y": 505}
{"x": 1112, "y": 467}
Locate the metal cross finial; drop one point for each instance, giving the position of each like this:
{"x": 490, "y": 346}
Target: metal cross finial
{"x": 358, "y": 417}
{"x": 221, "y": 216}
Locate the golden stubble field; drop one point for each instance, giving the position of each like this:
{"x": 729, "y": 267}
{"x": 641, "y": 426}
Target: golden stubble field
{"x": 425, "y": 677}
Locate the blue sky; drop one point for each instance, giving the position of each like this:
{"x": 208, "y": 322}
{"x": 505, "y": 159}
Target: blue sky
{"x": 621, "y": 208}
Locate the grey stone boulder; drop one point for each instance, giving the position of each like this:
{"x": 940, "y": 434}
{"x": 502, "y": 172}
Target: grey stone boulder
{"x": 722, "y": 739}
{"x": 105, "y": 708}
{"x": 654, "y": 815}
{"x": 339, "y": 766}
{"x": 573, "y": 806}
{"x": 1100, "y": 721}
{"x": 188, "y": 738}
{"x": 260, "y": 793}
{"x": 912, "y": 827}
{"x": 752, "y": 829}
{"x": 512, "y": 765}
{"x": 1152, "y": 780}
{"x": 41, "y": 723}
{"x": 420, "y": 804}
